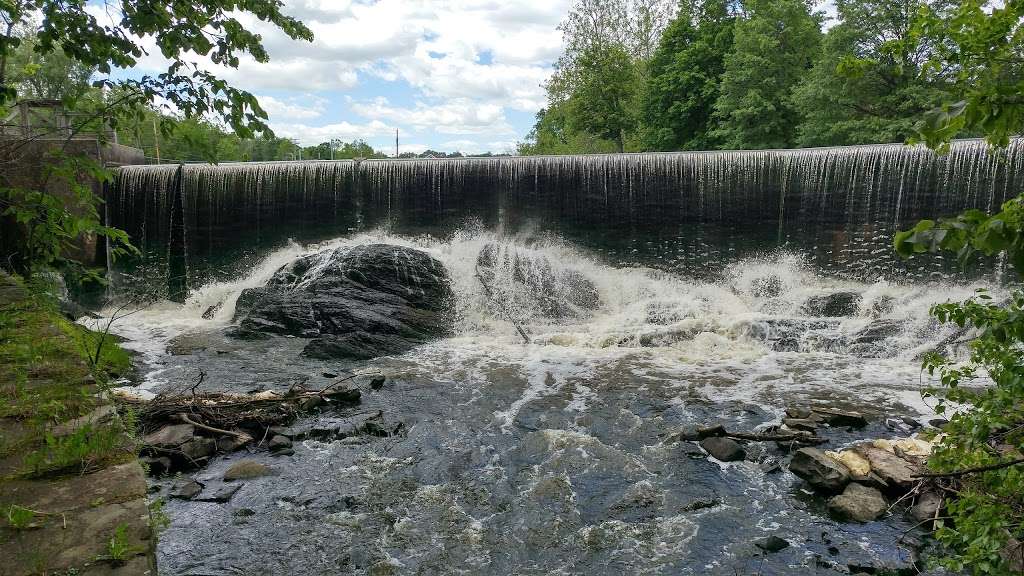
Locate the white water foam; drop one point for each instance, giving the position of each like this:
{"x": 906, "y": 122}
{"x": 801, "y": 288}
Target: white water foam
{"x": 698, "y": 329}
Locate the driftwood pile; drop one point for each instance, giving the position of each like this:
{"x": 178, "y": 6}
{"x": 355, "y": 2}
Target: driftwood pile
{"x": 185, "y": 429}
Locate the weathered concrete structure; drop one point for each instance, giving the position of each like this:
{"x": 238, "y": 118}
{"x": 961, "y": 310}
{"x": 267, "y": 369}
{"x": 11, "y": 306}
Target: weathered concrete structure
{"x": 41, "y": 135}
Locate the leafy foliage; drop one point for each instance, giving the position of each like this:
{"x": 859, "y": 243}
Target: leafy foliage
{"x": 978, "y": 48}
{"x": 987, "y": 515}
{"x": 48, "y": 48}
{"x": 775, "y": 43}
{"x": 866, "y": 85}
{"x": 685, "y": 74}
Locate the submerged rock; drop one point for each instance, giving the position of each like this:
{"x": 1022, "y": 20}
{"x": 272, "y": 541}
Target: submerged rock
{"x": 833, "y": 305}
{"x": 724, "y": 449}
{"x": 245, "y": 469}
{"x": 772, "y": 544}
{"x": 859, "y": 503}
{"x": 525, "y": 280}
{"x": 357, "y": 303}
{"x": 819, "y": 470}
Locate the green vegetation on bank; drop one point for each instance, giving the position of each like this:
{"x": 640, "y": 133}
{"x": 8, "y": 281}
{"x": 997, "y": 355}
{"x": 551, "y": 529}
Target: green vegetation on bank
{"x": 50, "y": 378}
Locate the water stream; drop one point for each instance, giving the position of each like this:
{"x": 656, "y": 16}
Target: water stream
{"x": 549, "y": 457}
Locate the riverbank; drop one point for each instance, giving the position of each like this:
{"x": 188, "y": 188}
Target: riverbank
{"x": 72, "y": 491}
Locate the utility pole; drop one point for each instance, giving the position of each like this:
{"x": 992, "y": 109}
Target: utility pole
{"x": 156, "y": 140}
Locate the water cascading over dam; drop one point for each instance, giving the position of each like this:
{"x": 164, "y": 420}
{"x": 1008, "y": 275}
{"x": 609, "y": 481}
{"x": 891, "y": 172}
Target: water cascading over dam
{"x": 840, "y": 205}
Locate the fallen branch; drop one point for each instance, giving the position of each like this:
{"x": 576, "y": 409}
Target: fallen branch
{"x": 968, "y": 471}
{"x": 490, "y": 296}
{"x": 240, "y": 435}
{"x": 776, "y": 437}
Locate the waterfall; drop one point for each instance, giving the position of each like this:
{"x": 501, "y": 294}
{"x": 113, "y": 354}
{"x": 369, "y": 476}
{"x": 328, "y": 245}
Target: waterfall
{"x": 841, "y": 204}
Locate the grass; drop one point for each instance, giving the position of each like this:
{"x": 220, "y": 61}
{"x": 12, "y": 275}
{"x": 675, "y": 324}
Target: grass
{"x": 50, "y": 377}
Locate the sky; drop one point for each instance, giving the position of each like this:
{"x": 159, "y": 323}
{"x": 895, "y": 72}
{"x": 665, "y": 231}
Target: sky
{"x": 449, "y": 75}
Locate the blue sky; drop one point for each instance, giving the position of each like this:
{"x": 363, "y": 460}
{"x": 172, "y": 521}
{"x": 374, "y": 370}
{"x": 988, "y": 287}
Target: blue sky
{"x": 447, "y": 74}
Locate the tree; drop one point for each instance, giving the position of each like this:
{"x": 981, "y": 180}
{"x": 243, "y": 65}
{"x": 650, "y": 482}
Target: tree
{"x": 49, "y": 76}
{"x": 980, "y": 457}
{"x": 550, "y": 135}
{"x": 867, "y": 85}
{"x": 684, "y": 77}
{"x": 979, "y": 52}
{"x": 604, "y": 100}
{"x": 594, "y": 92}
{"x": 775, "y": 43}
{"x": 48, "y": 223}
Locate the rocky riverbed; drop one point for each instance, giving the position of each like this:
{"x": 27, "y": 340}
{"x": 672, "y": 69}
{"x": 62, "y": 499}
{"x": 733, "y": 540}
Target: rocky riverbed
{"x": 581, "y": 451}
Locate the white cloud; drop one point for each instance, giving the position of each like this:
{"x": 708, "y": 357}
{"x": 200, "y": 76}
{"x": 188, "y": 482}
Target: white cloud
{"x": 458, "y": 116}
{"x": 292, "y": 108}
{"x": 309, "y": 135}
{"x": 463, "y": 64}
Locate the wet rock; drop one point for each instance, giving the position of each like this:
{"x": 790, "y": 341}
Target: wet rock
{"x": 229, "y": 444}
{"x": 841, "y": 418}
{"x": 833, "y": 305}
{"x": 284, "y": 452}
{"x": 818, "y": 470}
{"x": 800, "y": 424}
{"x": 187, "y": 344}
{"x": 377, "y": 382}
{"x": 355, "y": 346}
{"x": 245, "y": 469}
{"x": 170, "y": 437}
{"x": 723, "y": 449}
{"x": 911, "y": 422}
{"x": 357, "y": 303}
{"x": 278, "y": 443}
{"x": 186, "y": 489}
{"x": 198, "y": 449}
{"x": 799, "y": 413}
{"x": 927, "y": 506}
{"x": 710, "y": 431}
{"x": 877, "y": 330}
{"x": 220, "y": 494}
{"x": 772, "y": 544}
{"x": 895, "y": 471}
{"x": 379, "y": 426}
{"x": 859, "y": 503}
{"x": 701, "y": 504}
{"x": 692, "y": 451}
{"x": 157, "y": 465}
{"x": 939, "y": 423}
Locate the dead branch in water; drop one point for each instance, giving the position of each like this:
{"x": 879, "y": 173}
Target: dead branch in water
{"x": 490, "y": 296}
{"x": 799, "y": 438}
{"x": 228, "y": 414}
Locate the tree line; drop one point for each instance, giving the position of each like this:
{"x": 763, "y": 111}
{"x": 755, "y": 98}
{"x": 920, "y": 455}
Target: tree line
{"x": 650, "y": 75}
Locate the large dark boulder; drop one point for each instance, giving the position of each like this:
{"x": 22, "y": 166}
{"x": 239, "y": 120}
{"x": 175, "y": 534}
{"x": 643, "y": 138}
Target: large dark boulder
{"x": 355, "y": 303}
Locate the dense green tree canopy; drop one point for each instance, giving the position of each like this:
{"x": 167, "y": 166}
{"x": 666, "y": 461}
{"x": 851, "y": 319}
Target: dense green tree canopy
{"x": 867, "y": 83}
{"x": 685, "y": 73}
{"x": 774, "y": 47}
